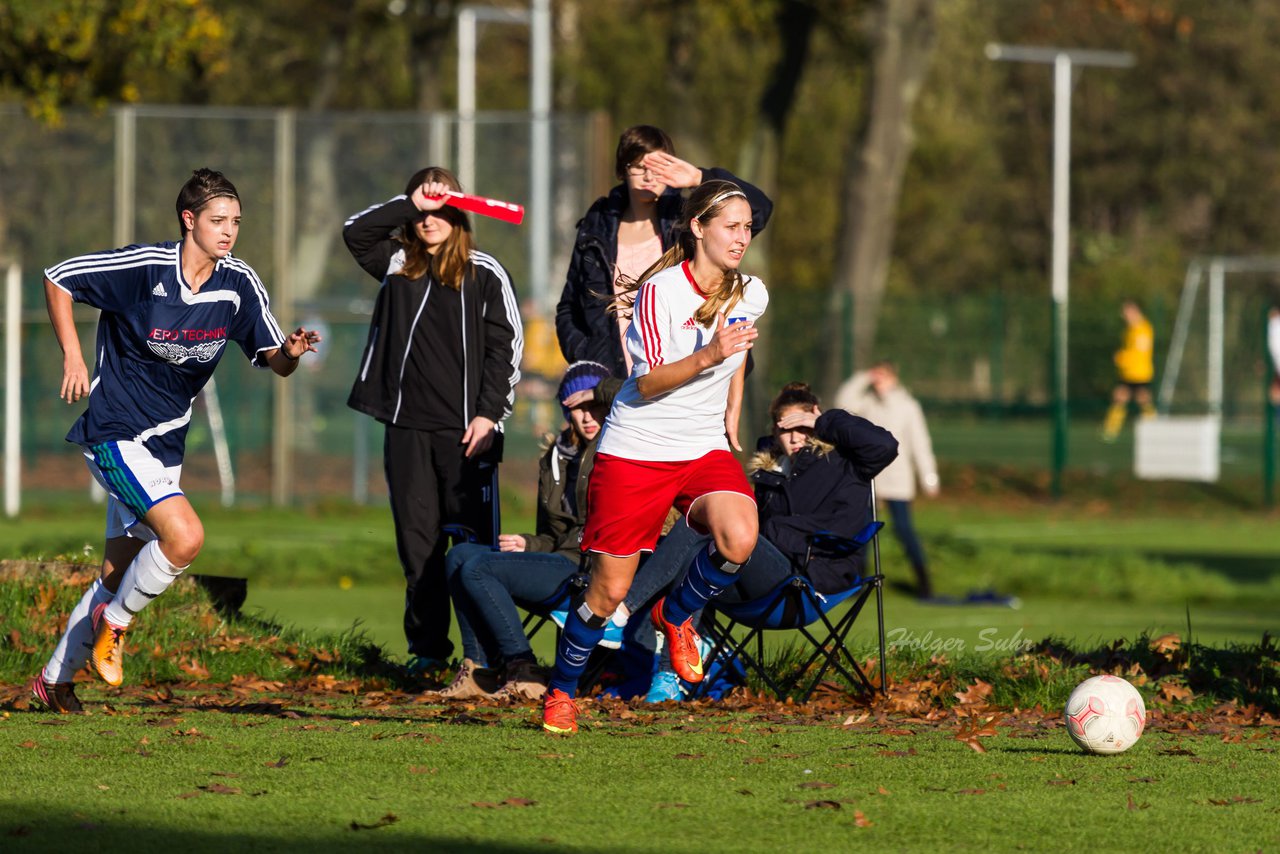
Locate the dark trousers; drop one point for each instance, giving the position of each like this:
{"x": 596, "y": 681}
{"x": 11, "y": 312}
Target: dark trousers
{"x": 488, "y": 585}
{"x": 431, "y": 484}
{"x": 669, "y": 562}
{"x": 905, "y": 530}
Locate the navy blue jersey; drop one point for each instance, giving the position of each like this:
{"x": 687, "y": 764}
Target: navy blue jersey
{"x": 158, "y": 343}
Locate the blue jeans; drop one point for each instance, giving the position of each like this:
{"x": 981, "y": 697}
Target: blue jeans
{"x": 487, "y": 585}
{"x": 767, "y": 569}
{"x": 905, "y": 530}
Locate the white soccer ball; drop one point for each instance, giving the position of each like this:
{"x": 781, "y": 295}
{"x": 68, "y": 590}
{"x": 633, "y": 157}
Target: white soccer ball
{"x": 1105, "y": 714}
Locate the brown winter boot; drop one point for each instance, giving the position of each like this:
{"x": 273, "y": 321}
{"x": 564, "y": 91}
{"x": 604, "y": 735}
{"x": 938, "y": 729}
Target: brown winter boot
{"x": 470, "y": 682}
{"x": 523, "y": 680}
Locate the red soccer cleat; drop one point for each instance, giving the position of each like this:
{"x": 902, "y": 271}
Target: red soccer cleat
{"x": 57, "y": 697}
{"x": 559, "y": 713}
{"x": 682, "y": 641}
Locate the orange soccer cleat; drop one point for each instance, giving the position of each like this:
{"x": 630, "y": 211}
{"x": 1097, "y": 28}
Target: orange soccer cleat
{"x": 559, "y": 713}
{"x": 682, "y": 641}
{"x": 108, "y": 648}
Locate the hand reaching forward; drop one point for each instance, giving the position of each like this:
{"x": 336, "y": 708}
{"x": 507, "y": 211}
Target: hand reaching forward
{"x": 300, "y": 341}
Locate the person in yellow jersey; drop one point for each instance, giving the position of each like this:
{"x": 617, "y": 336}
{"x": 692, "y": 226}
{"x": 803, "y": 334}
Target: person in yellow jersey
{"x": 1135, "y": 364}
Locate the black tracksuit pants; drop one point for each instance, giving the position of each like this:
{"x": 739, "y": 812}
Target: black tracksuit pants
{"x": 431, "y": 485}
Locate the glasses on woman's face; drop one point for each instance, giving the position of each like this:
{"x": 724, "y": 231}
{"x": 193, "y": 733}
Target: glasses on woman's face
{"x": 637, "y": 170}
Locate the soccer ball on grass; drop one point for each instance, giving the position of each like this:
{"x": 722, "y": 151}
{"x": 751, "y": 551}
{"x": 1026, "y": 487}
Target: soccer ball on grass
{"x": 1105, "y": 714}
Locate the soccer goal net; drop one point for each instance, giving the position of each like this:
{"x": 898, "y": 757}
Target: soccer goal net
{"x": 1217, "y": 361}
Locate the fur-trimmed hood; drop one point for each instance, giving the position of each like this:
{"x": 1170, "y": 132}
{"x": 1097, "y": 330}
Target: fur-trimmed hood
{"x": 770, "y": 458}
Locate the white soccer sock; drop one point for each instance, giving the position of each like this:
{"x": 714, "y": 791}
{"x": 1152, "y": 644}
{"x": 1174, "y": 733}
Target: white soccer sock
{"x": 621, "y": 615}
{"x": 72, "y": 651}
{"x": 147, "y": 577}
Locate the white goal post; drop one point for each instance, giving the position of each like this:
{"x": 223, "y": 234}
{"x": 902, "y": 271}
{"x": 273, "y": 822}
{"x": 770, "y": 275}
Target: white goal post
{"x": 1215, "y": 269}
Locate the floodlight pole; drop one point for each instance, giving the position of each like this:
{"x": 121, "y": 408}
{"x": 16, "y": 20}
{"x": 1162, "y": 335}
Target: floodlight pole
{"x": 1064, "y": 62}
{"x": 538, "y": 19}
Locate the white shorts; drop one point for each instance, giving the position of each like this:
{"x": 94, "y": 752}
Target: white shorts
{"x": 135, "y": 482}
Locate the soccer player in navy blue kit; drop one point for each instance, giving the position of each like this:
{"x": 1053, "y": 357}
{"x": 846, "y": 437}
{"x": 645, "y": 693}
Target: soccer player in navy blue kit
{"x": 168, "y": 311}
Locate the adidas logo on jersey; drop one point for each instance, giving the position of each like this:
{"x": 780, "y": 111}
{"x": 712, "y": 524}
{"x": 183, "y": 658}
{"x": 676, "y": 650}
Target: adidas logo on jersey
{"x": 690, "y": 324}
{"x": 159, "y": 290}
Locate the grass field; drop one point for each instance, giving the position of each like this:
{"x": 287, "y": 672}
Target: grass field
{"x": 145, "y": 779}
{"x": 200, "y": 754}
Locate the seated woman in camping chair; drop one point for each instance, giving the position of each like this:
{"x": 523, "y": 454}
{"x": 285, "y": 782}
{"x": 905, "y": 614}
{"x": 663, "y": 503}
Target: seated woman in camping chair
{"x": 528, "y": 569}
{"x": 813, "y": 474}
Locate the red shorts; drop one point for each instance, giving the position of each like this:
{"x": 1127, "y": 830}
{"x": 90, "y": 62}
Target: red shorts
{"x": 628, "y": 500}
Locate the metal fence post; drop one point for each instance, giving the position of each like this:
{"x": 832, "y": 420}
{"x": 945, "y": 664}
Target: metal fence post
{"x": 13, "y": 390}
{"x": 281, "y": 423}
{"x": 1268, "y": 421}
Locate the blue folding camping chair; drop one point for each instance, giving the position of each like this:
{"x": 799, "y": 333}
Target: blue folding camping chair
{"x": 794, "y": 605}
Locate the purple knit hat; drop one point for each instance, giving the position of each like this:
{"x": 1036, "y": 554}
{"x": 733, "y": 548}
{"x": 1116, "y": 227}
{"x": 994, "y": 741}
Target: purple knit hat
{"x": 580, "y": 376}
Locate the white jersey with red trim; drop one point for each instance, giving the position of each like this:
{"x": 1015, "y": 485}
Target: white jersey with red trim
{"x": 688, "y": 421}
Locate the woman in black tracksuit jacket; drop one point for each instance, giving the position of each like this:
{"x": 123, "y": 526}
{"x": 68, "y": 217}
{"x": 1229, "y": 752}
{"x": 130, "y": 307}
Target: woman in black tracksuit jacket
{"x": 623, "y": 233}
{"x": 439, "y": 370}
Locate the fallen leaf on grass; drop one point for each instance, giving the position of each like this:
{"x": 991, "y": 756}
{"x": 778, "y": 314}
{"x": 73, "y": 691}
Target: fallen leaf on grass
{"x": 673, "y": 806}
{"x": 1234, "y": 799}
{"x": 970, "y": 733}
{"x": 735, "y": 741}
{"x": 1134, "y": 805}
{"x": 816, "y": 784}
{"x": 978, "y": 692}
{"x": 971, "y": 792}
{"x": 194, "y": 668}
{"x": 861, "y": 820}
{"x": 421, "y": 769}
{"x": 219, "y": 789}
{"x": 690, "y": 756}
{"x": 279, "y": 763}
{"x": 389, "y": 818}
{"x": 822, "y": 805}
{"x": 1173, "y": 692}
{"x": 1175, "y": 751}
{"x": 509, "y": 802}
{"x": 555, "y": 756}
{"x": 1144, "y": 780}
{"x": 185, "y": 795}
{"x": 1062, "y": 782}
{"x": 908, "y": 752}
{"x": 29, "y": 745}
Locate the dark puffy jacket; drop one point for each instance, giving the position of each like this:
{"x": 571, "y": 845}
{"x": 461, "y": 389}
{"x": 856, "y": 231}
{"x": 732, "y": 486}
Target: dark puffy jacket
{"x": 828, "y": 489}
{"x": 492, "y": 331}
{"x": 558, "y": 530}
{"x": 584, "y": 327}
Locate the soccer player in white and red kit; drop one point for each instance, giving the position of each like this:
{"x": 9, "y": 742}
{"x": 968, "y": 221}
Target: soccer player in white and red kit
{"x": 667, "y": 439}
